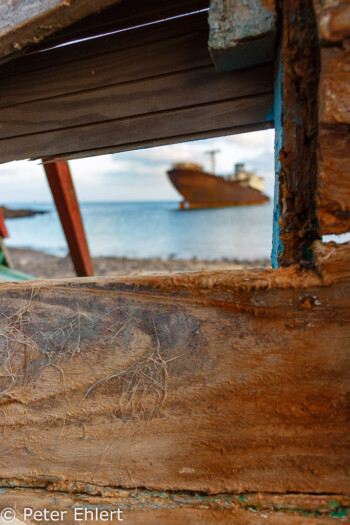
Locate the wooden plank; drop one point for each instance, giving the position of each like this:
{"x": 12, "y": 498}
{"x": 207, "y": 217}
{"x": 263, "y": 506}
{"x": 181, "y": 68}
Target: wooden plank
{"x": 333, "y": 20}
{"x": 120, "y": 16}
{"x": 27, "y": 21}
{"x": 152, "y": 95}
{"x": 242, "y": 33}
{"x": 62, "y": 188}
{"x": 113, "y": 94}
{"x": 333, "y": 187}
{"x": 143, "y": 507}
{"x": 334, "y": 89}
{"x": 104, "y": 46}
{"x": 173, "y": 55}
{"x": 219, "y": 132}
{"x": 214, "y": 382}
{"x": 173, "y": 125}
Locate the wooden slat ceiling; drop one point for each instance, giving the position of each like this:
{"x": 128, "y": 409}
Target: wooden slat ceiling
{"x": 122, "y": 15}
{"x": 141, "y": 87}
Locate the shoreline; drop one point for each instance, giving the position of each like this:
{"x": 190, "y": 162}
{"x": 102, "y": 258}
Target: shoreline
{"x": 19, "y": 213}
{"x": 47, "y": 266}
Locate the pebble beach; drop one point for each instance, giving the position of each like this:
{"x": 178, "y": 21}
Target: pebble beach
{"x": 46, "y": 266}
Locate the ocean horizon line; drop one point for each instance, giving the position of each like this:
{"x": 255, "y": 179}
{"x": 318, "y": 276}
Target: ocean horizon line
{"x": 8, "y": 203}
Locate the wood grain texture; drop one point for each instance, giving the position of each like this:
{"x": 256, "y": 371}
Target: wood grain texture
{"x": 333, "y": 187}
{"x": 26, "y": 21}
{"x": 72, "y": 102}
{"x": 162, "y": 141}
{"x": 332, "y": 260}
{"x": 100, "y": 47}
{"x": 171, "y": 55}
{"x": 120, "y": 16}
{"x": 334, "y": 89}
{"x": 298, "y": 133}
{"x": 242, "y": 33}
{"x": 214, "y": 382}
{"x": 128, "y": 133}
{"x": 200, "y": 86}
{"x": 142, "y": 507}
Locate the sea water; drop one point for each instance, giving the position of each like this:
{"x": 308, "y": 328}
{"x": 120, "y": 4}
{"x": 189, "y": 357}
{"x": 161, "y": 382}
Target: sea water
{"x": 152, "y": 229}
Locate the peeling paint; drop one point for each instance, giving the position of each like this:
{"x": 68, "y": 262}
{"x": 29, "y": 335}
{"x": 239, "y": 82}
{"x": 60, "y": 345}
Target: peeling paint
{"x": 277, "y": 245}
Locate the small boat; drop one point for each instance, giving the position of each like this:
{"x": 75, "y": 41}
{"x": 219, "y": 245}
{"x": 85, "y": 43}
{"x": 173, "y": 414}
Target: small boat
{"x": 206, "y": 190}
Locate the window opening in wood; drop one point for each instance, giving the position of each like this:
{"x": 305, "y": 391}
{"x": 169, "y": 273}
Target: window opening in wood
{"x": 136, "y": 221}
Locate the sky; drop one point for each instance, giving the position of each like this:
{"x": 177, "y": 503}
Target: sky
{"x": 141, "y": 175}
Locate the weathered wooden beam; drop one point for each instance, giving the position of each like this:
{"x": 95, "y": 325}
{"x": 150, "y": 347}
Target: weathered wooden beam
{"x": 214, "y": 382}
{"x": 297, "y": 133}
{"x": 62, "y": 188}
{"x": 242, "y": 33}
{"x": 27, "y": 21}
{"x": 146, "y": 507}
{"x": 312, "y": 132}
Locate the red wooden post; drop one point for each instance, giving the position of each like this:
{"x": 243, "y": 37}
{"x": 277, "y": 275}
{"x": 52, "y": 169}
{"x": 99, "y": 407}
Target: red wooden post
{"x": 61, "y": 184}
{"x": 3, "y": 229}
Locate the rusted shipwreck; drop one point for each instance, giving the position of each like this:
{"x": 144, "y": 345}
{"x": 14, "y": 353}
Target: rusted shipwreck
{"x": 217, "y": 397}
{"x": 208, "y": 190}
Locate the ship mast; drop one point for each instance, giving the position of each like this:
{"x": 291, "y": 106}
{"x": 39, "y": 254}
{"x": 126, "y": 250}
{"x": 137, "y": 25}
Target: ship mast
{"x": 212, "y": 154}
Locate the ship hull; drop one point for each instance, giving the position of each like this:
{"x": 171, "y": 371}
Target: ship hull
{"x": 203, "y": 190}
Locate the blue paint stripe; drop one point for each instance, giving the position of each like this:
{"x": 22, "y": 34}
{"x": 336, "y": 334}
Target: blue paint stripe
{"x": 277, "y": 245}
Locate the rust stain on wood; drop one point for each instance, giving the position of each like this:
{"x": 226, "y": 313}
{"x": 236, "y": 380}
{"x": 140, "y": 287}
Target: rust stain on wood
{"x": 298, "y": 172}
